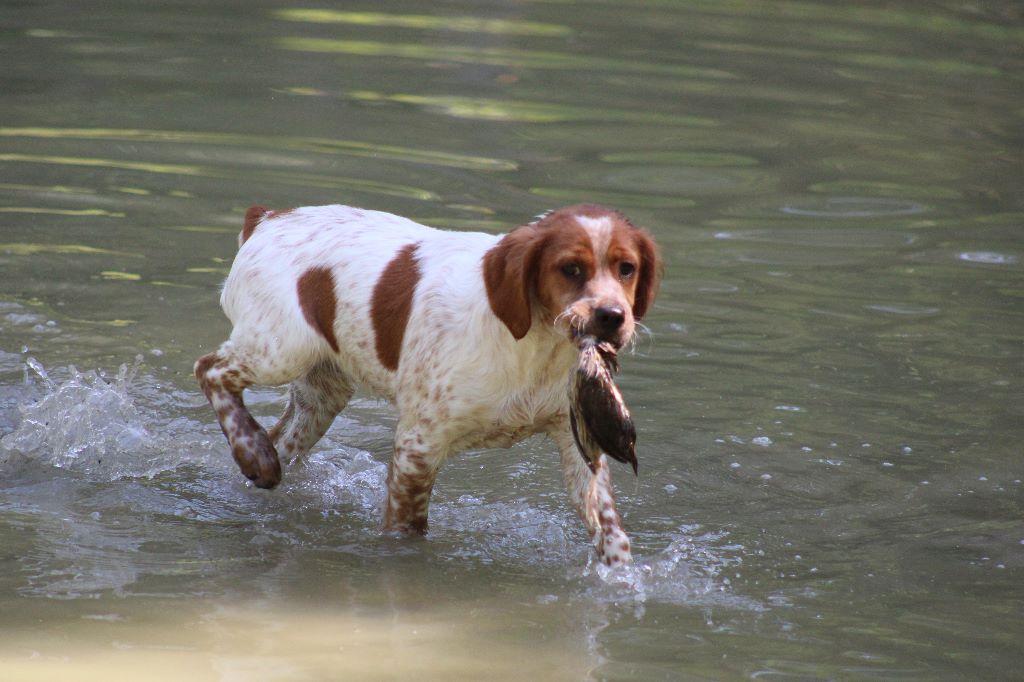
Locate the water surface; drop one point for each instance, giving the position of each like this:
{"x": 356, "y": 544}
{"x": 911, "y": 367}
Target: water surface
{"x": 829, "y": 397}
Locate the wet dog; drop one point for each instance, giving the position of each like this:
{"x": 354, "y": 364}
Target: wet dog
{"x": 472, "y": 336}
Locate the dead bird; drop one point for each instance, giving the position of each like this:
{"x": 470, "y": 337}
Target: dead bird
{"x": 599, "y": 417}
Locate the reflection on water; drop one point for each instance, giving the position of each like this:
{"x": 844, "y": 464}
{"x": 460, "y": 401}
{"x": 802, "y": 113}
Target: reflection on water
{"x": 855, "y": 207}
{"x": 525, "y": 112}
{"x": 243, "y": 642}
{"x": 298, "y": 144}
{"x": 494, "y": 56}
{"x": 292, "y": 177}
{"x": 462, "y": 24}
{"x": 827, "y": 395}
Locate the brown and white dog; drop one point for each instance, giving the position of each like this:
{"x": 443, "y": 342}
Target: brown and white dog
{"x": 471, "y": 336}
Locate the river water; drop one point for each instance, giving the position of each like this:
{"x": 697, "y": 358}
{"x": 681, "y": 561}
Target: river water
{"x": 828, "y": 400}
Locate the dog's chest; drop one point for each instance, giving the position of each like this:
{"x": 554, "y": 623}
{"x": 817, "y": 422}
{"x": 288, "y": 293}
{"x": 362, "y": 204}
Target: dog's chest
{"x": 505, "y": 432}
{"x": 500, "y": 420}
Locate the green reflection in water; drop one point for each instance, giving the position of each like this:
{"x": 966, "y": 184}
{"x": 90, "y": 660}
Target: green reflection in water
{"x": 835, "y": 128}
{"x": 888, "y": 16}
{"x": 511, "y": 58}
{"x": 104, "y": 323}
{"x": 290, "y": 178}
{"x": 27, "y": 249}
{"x": 303, "y": 144}
{"x": 426, "y": 22}
{"x": 202, "y": 229}
{"x": 208, "y": 270}
{"x": 1007, "y": 218}
{"x": 120, "y": 275}
{"x": 702, "y": 159}
{"x": 526, "y": 112}
{"x": 945, "y": 67}
{"x": 49, "y": 189}
{"x": 174, "y": 285}
{"x": 177, "y": 169}
{"x": 570, "y": 194}
{"x": 98, "y": 212}
{"x": 665, "y": 88}
{"x": 885, "y": 189}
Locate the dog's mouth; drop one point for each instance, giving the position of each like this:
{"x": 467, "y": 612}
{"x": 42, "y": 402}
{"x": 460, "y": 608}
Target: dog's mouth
{"x": 579, "y": 333}
{"x": 579, "y": 327}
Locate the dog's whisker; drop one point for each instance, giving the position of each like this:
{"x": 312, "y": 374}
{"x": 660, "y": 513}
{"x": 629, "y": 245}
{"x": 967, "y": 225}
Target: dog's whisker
{"x": 575, "y": 322}
{"x": 641, "y": 330}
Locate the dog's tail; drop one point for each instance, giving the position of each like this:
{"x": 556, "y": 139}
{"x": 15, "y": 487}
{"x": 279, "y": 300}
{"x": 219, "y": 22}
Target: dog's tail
{"x": 254, "y": 217}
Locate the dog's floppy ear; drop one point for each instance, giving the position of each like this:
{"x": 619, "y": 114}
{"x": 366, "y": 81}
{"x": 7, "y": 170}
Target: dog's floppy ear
{"x": 510, "y": 271}
{"x": 649, "y": 275}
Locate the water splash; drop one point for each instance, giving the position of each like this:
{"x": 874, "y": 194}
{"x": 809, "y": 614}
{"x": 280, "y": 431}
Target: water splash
{"x": 90, "y": 424}
{"x": 129, "y": 428}
{"x": 355, "y": 480}
{"x": 505, "y": 532}
{"x": 689, "y": 571}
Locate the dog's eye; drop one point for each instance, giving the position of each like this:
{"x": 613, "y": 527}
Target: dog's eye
{"x": 626, "y": 269}
{"x": 572, "y": 270}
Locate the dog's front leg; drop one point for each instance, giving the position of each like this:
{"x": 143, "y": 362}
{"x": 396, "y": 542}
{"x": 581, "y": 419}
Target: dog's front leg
{"x": 411, "y": 475}
{"x": 592, "y": 496}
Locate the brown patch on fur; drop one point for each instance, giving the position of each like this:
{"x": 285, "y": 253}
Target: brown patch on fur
{"x": 256, "y": 216}
{"x": 648, "y": 275}
{"x": 408, "y": 500}
{"x": 253, "y": 216}
{"x": 391, "y": 305}
{"x": 567, "y": 244}
{"x": 510, "y": 271}
{"x": 250, "y": 445}
{"x": 319, "y": 303}
{"x": 204, "y": 365}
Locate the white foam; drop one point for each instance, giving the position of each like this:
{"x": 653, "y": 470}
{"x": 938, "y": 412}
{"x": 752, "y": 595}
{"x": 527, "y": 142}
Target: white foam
{"x": 689, "y": 571}
{"x": 90, "y": 424}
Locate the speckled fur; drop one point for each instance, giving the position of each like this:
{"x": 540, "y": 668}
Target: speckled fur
{"x": 466, "y": 377}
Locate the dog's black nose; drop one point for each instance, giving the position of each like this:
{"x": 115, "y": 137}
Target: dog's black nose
{"x": 609, "y": 318}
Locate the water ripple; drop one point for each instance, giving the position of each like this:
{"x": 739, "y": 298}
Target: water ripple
{"x": 490, "y": 109}
{"x": 246, "y": 174}
{"x": 854, "y": 207}
{"x": 462, "y": 24}
{"x": 907, "y": 310}
{"x": 492, "y": 56}
{"x": 291, "y": 143}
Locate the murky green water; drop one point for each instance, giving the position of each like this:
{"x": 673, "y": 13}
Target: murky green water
{"x": 829, "y": 401}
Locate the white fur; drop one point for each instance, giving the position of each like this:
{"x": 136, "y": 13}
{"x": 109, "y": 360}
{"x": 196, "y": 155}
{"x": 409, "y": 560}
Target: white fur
{"x": 463, "y": 381}
{"x": 600, "y": 231}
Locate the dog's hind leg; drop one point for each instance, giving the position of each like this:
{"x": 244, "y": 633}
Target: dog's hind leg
{"x": 314, "y": 400}
{"x": 223, "y": 375}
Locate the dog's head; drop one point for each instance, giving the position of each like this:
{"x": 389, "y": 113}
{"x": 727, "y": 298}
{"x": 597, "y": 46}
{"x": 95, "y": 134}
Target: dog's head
{"x": 585, "y": 269}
